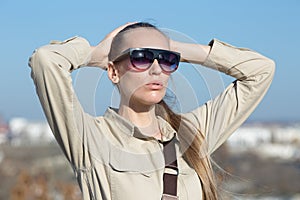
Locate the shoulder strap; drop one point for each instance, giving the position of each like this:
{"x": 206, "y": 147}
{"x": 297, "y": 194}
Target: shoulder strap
{"x": 171, "y": 171}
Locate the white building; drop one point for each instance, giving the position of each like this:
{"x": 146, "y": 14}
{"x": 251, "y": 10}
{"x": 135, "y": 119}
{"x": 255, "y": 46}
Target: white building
{"x": 250, "y": 136}
{"x": 275, "y": 140}
{"x": 29, "y": 132}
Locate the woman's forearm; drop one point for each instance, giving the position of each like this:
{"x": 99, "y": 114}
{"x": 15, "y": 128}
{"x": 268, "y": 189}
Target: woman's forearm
{"x": 192, "y": 53}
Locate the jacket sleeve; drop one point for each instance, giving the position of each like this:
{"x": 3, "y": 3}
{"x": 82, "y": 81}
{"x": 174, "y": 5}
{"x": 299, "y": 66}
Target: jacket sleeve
{"x": 51, "y": 67}
{"x": 219, "y": 118}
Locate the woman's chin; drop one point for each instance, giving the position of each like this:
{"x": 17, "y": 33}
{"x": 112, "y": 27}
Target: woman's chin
{"x": 154, "y": 98}
{"x": 147, "y": 100}
{"x": 151, "y": 101}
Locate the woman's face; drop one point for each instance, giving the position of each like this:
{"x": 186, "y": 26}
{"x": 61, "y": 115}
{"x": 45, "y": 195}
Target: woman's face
{"x": 146, "y": 87}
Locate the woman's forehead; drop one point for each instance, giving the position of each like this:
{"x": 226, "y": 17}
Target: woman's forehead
{"x": 144, "y": 37}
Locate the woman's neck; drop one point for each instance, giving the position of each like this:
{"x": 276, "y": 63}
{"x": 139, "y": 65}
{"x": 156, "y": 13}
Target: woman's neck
{"x": 138, "y": 117}
{"x": 144, "y": 119}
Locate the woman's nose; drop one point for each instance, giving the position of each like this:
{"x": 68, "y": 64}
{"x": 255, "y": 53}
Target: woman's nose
{"x": 155, "y": 68}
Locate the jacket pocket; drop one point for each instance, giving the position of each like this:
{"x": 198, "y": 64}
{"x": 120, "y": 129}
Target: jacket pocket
{"x": 132, "y": 179}
{"x": 143, "y": 163}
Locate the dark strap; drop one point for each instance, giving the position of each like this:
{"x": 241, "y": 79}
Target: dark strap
{"x": 171, "y": 170}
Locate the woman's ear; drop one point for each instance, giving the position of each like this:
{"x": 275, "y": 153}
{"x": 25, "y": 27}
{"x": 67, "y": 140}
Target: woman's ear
{"x": 113, "y": 73}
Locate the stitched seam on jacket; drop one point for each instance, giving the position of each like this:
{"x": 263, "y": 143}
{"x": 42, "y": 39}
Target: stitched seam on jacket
{"x": 85, "y": 172}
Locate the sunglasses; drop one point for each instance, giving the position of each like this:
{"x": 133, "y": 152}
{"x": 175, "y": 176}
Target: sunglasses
{"x": 142, "y": 58}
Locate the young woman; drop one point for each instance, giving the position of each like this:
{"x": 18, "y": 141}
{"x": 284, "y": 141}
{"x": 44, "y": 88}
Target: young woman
{"x": 122, "y": 154}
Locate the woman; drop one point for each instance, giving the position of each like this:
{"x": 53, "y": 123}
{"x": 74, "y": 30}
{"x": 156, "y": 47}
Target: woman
{"x": 122, "y": 154}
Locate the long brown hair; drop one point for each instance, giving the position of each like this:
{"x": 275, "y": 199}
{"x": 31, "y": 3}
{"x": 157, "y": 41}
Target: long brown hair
{"x": 191, "y": 139}
{"x": 194, "y": 149}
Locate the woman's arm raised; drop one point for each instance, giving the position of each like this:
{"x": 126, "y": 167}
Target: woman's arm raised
{"x": 220, "y": 117}
{"x": 50, "y": 70}
{"x": 51, "y": 67}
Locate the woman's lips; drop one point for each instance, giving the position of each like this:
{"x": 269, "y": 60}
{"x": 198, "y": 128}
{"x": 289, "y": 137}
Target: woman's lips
{"x": 155, "y": 86}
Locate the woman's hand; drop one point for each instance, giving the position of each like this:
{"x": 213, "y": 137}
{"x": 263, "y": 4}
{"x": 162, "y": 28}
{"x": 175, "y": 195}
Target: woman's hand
{"x": 99, "y": 53}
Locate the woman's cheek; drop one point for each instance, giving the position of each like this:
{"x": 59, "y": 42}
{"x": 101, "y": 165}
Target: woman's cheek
{"x": 130, "y": 84}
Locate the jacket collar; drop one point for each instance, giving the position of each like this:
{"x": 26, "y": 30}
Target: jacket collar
{"x": 130, "y": 129}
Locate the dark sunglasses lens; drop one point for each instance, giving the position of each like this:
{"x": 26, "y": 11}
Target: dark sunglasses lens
{"x": 168, "y": 61}
{"x": 141, "y": 59}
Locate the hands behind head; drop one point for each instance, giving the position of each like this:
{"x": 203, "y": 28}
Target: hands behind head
{"x": 99, "y": 53}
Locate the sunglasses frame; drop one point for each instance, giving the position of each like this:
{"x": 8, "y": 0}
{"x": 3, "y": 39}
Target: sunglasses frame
{"x": 156, "y": 53}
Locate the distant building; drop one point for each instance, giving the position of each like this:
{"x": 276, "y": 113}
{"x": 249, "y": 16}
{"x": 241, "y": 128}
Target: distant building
{"x": 4, "y": 129}
{"x": 26, "y": 132}
{"x": 268, "y": 140}
{"x": 250, "y": 136}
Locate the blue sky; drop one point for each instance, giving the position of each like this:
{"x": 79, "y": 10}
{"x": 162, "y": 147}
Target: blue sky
{"x": 269, "y": 27}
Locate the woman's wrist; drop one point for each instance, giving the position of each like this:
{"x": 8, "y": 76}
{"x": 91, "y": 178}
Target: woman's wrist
{"x": 97, "y": 57}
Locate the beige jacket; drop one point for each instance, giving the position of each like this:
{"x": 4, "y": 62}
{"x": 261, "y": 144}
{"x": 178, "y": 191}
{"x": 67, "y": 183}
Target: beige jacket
{"x": 110, "y": 157}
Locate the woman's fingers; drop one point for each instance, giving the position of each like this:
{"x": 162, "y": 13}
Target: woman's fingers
{"x": 117, "y": 30}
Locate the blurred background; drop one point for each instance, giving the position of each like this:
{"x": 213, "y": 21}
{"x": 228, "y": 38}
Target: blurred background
{"x": 261, "y": 160}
